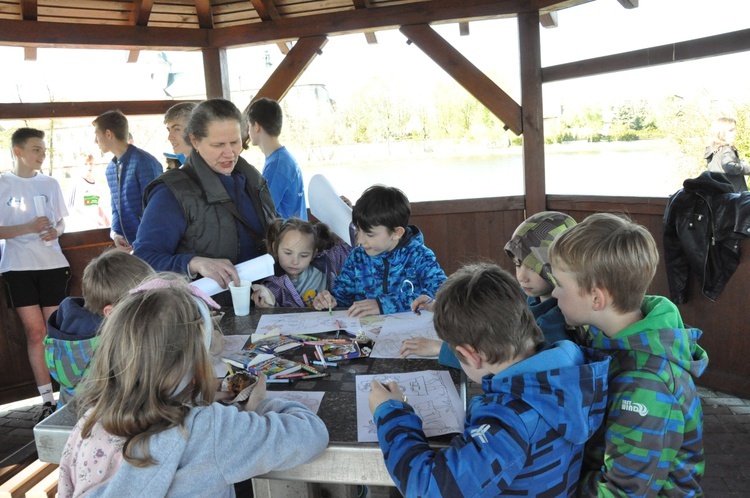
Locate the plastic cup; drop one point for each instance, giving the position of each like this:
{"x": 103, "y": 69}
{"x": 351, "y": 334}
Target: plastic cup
{"x": 40, "y": 206}
{"x": 240, "y": 297}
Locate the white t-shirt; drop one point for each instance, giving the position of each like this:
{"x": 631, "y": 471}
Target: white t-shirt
{"x": 28, "y": 252}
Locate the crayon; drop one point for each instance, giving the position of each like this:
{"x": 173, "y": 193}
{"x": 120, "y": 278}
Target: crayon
{"x": 330, "y": 311}
{"x": 304, "y": 357}
{"x": 291, "y": 375}
{"x": 316, "y": 376}
{"x": 325, "y": 363}
{"x": 229, "y": 368}
{"x": 279, "y": 381}
{"x": 310, "y": 369}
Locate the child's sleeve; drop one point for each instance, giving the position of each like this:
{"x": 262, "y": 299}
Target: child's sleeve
{"x": 427, "y": 279}
{"x": 348, "y": 288}
{"x": 644, "y": 434}
{"x": 468, "y": 467}
{"x": 278, "y": 435}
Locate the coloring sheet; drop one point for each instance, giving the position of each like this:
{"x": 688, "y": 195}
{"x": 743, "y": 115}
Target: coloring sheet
{"x": 311, "y": 399}
{"x": 431, "y": 393}
{"x": 232, "y": 344}
{"x": 314, "y": 322}
{"x": 398, "y": 327}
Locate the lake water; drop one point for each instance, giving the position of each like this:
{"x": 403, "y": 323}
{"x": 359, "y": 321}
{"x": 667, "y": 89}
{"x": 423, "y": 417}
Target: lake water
{"x": 645, "y": 169}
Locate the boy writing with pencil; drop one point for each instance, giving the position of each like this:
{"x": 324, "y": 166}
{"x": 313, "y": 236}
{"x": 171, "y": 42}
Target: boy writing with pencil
{"x": 651, "y": 442}
{"x": 390, "y": 266}
{"x": 525, "y": 435}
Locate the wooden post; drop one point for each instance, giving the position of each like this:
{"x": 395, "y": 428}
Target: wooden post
{"x": 216, "y": 72}
{"x": 531, "y": 112}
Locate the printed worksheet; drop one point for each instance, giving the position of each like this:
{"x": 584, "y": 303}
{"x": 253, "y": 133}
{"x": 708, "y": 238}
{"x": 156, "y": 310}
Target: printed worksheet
{"x": 311, "y": 399}
{"x": 431, "y": 393}
{"x": 399, "y": 327}
{"x": 314, "y": 322}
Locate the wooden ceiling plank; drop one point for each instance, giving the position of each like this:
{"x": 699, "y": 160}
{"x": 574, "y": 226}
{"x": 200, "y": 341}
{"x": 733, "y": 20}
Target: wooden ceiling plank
{"x": 141, "y": 12}
{"x": 292, "y": 67}
{"x": 266, "y": 9}
{"x": 205, "y": 16}
{"x": 710, "y": 46}
{"x": 466, "y": 74}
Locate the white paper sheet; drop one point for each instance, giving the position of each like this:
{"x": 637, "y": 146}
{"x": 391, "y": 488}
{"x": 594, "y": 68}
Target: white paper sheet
{"x": 255, "y": 269}
{"x": 401, "y": 326}
{"x": 314, "y": 322}
{"x": 431, "y": 393}
{"x": 311, "y": 399}
{"x": 327, "y": 206}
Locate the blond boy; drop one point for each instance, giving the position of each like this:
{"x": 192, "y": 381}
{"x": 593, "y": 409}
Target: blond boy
{"x": 651, "y": 441}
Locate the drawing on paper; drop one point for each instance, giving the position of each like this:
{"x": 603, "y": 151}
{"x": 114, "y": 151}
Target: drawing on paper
{"x": 305, "y": 323}
{"x": 431, "y": 393}
{"x": 399, "y": 327}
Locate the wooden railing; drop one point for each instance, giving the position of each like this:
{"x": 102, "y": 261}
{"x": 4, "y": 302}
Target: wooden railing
{"x": 462, "y": 231}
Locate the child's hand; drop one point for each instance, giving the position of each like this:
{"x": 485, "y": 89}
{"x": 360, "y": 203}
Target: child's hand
{"x": 420, "y": 346}
{"x": 364, "y": 308}
{"x": 422, "y": 303}
{"x": 257, "y": 395}
{"x": 380, "y": 393}
{"x": 324, "y": 300}
{"x": 262, "y": 297}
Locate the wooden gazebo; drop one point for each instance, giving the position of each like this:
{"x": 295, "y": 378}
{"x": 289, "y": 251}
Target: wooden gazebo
{"x": 457, "y": 230}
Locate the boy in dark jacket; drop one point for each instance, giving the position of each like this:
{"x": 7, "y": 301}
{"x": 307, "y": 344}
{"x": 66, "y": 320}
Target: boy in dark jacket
{"x": 72, "y": 328}
{"x": 525, "y": 435}
{"x": 390, "y": 266}
{"x": 651, "y": 442}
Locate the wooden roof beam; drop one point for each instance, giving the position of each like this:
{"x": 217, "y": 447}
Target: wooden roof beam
{"x": 369, "y": 35}
{"x": 548, "y": 19}
{"x": 292, "y": 67}
{"x": 361, "y": 20}
{"x": 44, "y": 110}
{"x": 139, "y": 16}
{"x": 267, "y": 11}
{"x": 205, "y": 16}
{"x": 29, "y": 11}
{"x": 710, "y": 46}
{"x": 463, "y": 29}
{"x": 466, "y": 74}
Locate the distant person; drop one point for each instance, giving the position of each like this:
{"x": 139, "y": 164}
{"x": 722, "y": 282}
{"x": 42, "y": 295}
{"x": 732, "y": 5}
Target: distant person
{"x": 128, "y": 173}
{"x": 527, "y": 248}
{"x": 88, "y": 201}
{"x": 525, "y": 434}
{"x": 35, "y": 272}
{"x": 651, "y": 441}
{"x": 147, "y": 425}
{"x": 72, "y": 328}
{"x": 308, "y": 259}
{"x": 209, "y": 215}
{"x": 391, "y": 266}
{"x": 280, "y": 170}
{"x": 176, "y": 119}
{"x": 721, "y": 155}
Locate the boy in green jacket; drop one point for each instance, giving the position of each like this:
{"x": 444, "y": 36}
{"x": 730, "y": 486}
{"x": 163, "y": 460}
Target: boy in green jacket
{"x": 651, "y": 441}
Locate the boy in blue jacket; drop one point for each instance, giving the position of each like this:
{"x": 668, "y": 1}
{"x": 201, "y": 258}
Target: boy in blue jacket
{"x": 390, "y": 266}
{"x": 72, "y": 328}
{"x": 525, "y": 435}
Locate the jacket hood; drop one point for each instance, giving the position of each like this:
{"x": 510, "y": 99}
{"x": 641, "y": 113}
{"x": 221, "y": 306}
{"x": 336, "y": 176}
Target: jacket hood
{"x": 710, "y": 180}
{"x": 661, "y": 333}
{"x": 571, "y": 398}
{"x": 72, "y": 322}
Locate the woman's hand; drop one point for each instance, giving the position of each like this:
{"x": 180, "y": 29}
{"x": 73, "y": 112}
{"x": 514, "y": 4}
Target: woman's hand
{"x": 220, "y": 270}
{"x": 420, "y": 346}
{"x": 380, "y": 393}
{"x": 262, "y": 297}
{"x": 324, "y": 300}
